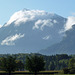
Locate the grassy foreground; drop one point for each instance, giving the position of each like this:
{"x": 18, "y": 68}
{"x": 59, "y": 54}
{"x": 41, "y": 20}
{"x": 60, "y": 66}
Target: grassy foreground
{"x": 37, "y": 74}
{"x": 45, "y": 74}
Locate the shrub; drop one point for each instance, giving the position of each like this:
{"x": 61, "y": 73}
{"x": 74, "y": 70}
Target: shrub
{"x": 66, "y": 70}
{"x": 72, "y": 71}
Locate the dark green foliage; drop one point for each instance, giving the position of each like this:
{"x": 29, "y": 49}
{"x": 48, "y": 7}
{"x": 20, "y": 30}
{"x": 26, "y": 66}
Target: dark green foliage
{"x": 20, "y": 65}
{"x": 52, "y": 65}
{"x": 8, "y": 64}
{"x": 69, "y": 71}
{"x": 54, "y": 62}
{"x": 57, "y": 62}
{"x": 66, "y": 71}
{"x": 34, "y": 63}
{"x": 71, "y": 67}
{"x": 72, "y": 63}
{"x": 72, "y": 71}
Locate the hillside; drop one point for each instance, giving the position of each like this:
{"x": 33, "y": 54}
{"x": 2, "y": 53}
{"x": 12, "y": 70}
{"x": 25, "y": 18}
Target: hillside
{"x": 66, "y": 46}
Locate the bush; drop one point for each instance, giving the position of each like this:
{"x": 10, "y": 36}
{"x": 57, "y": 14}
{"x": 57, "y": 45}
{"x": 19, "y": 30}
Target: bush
{"x": 66, "y": 70}
{"x": 72, "y": 71}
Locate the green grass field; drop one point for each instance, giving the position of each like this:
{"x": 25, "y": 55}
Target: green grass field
{"x": 37, "y": 74}
{"x": 64, "y": 74}
{"x": 46, "y": 74}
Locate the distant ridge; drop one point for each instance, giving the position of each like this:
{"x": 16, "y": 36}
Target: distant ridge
{"x": 66, "y": 46}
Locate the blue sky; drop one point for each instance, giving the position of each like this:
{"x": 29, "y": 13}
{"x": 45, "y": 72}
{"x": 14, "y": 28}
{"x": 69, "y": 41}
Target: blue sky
{"x": 63, "y": 8}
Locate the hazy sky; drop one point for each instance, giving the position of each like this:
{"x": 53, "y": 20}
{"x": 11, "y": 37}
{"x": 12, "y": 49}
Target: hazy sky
{"x": 63, "y": 8}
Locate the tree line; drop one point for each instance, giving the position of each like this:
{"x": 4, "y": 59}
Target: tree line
{"x": 35, "y": 62}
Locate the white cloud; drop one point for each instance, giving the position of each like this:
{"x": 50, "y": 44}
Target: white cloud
{"x": 27, "y": 15}
{"x": 10, "y": 40}
{"x": 46, "y": 37}
{"x": 70, "y": 22}
{"x": 55, "y": 21}
{"x": 42, "y": 23}
{"x": 0, "y": 26}
{"x": 17, "y": 22}
{"x": 46, "y": 23}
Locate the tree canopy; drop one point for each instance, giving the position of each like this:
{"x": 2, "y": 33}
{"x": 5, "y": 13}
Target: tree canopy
{"x": 35, "y": 63}
{"x": 8, "y": 64}
{"x": 72, "y": 63}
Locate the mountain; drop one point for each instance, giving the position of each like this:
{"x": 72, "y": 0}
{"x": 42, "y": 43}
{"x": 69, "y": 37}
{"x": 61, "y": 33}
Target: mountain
{"x": 29, "y": 31}
{"x": 66, "y": 46}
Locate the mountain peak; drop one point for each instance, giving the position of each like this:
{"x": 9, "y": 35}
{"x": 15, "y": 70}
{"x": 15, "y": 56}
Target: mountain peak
{"x": 25, "y": 9}
{"x": 29, "y": 15}
{"x": 30, "y": 31}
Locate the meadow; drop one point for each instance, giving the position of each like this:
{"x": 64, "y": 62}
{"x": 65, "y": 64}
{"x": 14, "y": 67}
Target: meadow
{"x": 46, "y": 74}
{"x": 28, "y": 73}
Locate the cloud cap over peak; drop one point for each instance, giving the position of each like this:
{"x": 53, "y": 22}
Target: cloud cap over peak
{"x": 27, "y": 15}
